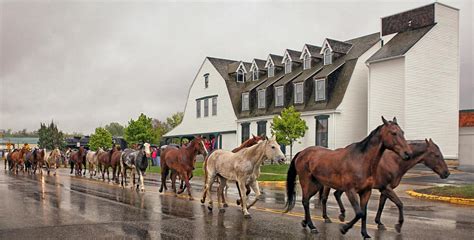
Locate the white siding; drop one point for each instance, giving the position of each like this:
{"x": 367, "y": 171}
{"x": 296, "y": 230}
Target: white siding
{"x": 352, "y": 122}
{"x": 225, "y": 118}
{"x": 466, "y": 143}
{"x": 386, "y": 92}
{"x": 432, "y": 84}
{"x": 228, "y": 141}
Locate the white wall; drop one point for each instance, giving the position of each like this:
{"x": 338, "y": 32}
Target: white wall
{"x": 228, "y": 141}
{"x": 225, "y": 118}
{"x": 466, "y": 144}
{"x": 386, "y": 96}
{"x": 432, "y": 84}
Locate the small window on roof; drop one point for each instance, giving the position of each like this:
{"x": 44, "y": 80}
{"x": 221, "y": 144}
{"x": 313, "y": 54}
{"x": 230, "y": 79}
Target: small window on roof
{"x": 240, "y": 75}
{"x": 287, "y": 65}
{"x": 271, "y": 69}
{"x": 306, "y": 61}
{"x": 245, "y": 101}
{"x": 261, "y": 98}
{"x": 279, "y": 96}
{"x": 320, "y": 89}
{"x": 206, "y": 80}
{"x": 299, "y": 92}
{"x": 327, "y": 56}
{"x": 255, "y": 74}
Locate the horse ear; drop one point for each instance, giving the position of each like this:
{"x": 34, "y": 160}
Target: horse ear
{"x": 427, "y": 142}
{"x": 274, "y": 137}
{"x": 253, "y": 136}
{"x": 431, "y": 140}
{"x": 394, "y": 120}
{"x": 385, "y": 122}
{"x": 266, "y": 138}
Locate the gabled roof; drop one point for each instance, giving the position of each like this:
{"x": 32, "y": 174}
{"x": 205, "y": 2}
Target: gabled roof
{"x": 272, "y": 80}
{"x": 399, "y": 44}
{"x": 276, "y": 59}
{"x": 336, "y": 46}
{"x": 290, "y": 76}
{"x": 259, "y": 63}
{"x": 233, "y": 67}
{"x": 294, "y": 55}
{"x": 314, "y": 51}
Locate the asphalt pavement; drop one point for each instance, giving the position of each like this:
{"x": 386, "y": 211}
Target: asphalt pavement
{"x": 70, "y": 207}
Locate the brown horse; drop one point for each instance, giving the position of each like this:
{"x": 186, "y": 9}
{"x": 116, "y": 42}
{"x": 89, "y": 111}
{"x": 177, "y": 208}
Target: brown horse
{"x": 351, "y": 169}
{"x": 16, "y": 159}
{"x": 389, "y": 174}
{"x": 115, "y": 155}
{"x": 103, "y": 162}
{"x": 77, "y": 159}
{"x": 248, "y": 143}
{"x": 181, "y": 161}
{"x": 37, "y": 160}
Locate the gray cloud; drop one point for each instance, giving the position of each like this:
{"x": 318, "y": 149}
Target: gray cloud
{"x": 85, "y": 64}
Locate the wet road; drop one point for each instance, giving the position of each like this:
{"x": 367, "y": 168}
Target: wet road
{"x": 70, "y": 207}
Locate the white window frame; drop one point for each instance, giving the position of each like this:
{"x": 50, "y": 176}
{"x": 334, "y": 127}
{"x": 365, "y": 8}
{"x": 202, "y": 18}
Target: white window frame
{"x": 296, "y": 92}
{"x": 277, "y": 104}
{"x": 206, "y": 80}
{"x": 245, "y": 104}
{"x": 214, "y": 106}
{"x": 306, "y": 61}
{"x": 255, "y": 74}
{"x": 240, "y": 72}
{"x": 317, "y": 97}
{"x": 261, "y": 101}
{"x": 288, "y": 65}
{"x": 206, "y": 107}
{"x": 327, "y": 56}
{"x": 198, "y": 108}
{"x": 271, "y": 70}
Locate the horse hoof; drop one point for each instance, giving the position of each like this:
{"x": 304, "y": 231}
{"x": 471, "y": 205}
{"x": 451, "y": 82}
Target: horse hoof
{"x": 247, "y": 215}
{"x": 381, "y": 227}
{"x": 191, "y": 199}
{"x": 398, "y": 227}
{"x": 343, "y": 229}
{"x": 238, "y": 202}
{"x": 203, "y": 201}
{"x": 161, "y": 190}
{"x": 314, "y": 230}
{"x": 327, "y": 220}
{"x": 222, "y": 210}
{"x": 342, "y": 217}
{"x": 303, "y": 224}
{"x": 365, "y": 235}
{"x": 226, "y": 205}
{"x": 209, "y": 208}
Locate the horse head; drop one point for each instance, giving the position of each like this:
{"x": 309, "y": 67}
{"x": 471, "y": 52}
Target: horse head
{"x": 393, "y": 138}
{"x": 272, "y": 150}
{"x": 433, "y": 158}
{"x": 198, "y": 145}
{"x": 146, "y": 148}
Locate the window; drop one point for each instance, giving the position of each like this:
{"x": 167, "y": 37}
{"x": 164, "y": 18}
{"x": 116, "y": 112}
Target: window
{"x": 261, "y": 98}
{"x": 262, "y": 128}
{"x": 240, "y": 75}
{"x": 198, "y": 108}
{"x": 206, "y": 107}
{"x": 214, "y": 106}
{"x": 206, "y": 80}
{"x": 320, "y": 90}
{"x": 245, "y": 101}
{"x": 322, "y": 130}
{"x": 327, "y": 56}
{"x": 279, "y": 96}
{"x": 298, "y": 92}
{"x": 287, "y": 65}
{"x": 255, "y": 75}
{"x": 306, "y": 61}
{"x": 271, "y": 69}
{"x": 245, "y": 131}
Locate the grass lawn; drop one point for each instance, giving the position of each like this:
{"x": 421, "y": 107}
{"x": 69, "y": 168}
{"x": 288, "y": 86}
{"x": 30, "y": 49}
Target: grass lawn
{"x": 466, "y": 191}
{"x": 269, "y": 172}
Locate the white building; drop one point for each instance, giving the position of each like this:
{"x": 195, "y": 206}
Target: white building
{"x": 409, "y": 70}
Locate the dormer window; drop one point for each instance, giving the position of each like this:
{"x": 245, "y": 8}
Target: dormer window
{"x": 261, "y": 98}
{"x": 306, "y": 61}
{"x": 279, "y": 96}
{"x": 298, "y": 92}
{"x": 287, "y": 65}
{"x": 271, "y": 69}
{"x": 327, "y": 56}
{"x": 240, "y": 75}
{"x": 245, "y": 101}
{"x": 320, "y": 89}
{"x": 206, "y": 80}
{"x": 255, "y": 74}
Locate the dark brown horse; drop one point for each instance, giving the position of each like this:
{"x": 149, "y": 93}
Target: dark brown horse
{"x": 180, "y": 161}
{"x": 16, "y": 159}
{"x": 77, "y": 160}
{"x": 248, "y": 143}
{"x": 115, "y": 155}
{"x": 351, "y": 169}
{"x": 389, "y": 174}
{"x": 37, "y": 160}
{"x": 103, "y": 163}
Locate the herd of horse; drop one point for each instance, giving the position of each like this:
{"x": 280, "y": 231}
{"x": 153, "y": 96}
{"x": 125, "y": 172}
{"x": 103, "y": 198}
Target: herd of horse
{"x": 379, "y": 162}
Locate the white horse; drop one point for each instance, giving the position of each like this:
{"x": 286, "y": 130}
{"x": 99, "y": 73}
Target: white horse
{"x": 91, "y": 158}
{"x": 241, "y": 167}
{"x": 52, "y": 159}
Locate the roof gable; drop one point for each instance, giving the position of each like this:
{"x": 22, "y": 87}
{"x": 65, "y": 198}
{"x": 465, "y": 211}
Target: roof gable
{"x": 258, "y": 64}
{"x": 274, "y": 59}
{"x": 313, "y": 51}
{"x": 293, "y": 55}
{"x": 335, "y": 46}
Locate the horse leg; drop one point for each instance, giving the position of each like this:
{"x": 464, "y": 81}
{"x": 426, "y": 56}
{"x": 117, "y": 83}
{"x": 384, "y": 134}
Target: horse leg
{"x": 173, "y": 182}
{"x": 220, "y": 193}
{"x": 364, "y": 199}
{"x": 188, "y": 185}
{"x": 351, "y": 195}
{"x": 241, "y": 183}
{"x": 72, "y": 165}
{"x": 383, "y": 199}
{"x": 394, "y": 198}
{"x": 324, "y": 201}
{"x": 342, "y": 214}
{"x": 164, "y": 174}
{"x": 309, "y": 189}
{"x": 142, "y": 185}
{"x": 224, "y": 195}
{"x": 256, "y": 190}
{"x": 210, "y": 181}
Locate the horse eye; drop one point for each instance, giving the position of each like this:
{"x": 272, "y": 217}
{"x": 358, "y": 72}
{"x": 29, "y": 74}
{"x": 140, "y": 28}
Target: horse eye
{"x": 394, "y": 133}
{"x": 273, "y": 147}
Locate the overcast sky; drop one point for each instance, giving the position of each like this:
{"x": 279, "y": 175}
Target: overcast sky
{"x": 87, "y": 63}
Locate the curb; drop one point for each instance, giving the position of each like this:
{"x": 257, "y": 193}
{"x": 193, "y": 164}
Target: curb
{"x": 455, "y": 200}
{"x": 279, "y": 184}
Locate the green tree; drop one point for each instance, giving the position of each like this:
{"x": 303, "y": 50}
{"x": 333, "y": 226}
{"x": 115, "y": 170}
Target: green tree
{"x": 100, "y": 139}
{"x": 140, "y": 130}
{"x": 160, "y": 128}
{"x": 175, "y": 120}
{"x": 50, "y": 137}
{"x": 288, "y": 127}
{"x": 115, "y": 128}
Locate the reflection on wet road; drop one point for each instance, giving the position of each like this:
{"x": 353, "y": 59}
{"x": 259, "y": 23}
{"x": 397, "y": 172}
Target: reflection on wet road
{"x": 72, "y": 207}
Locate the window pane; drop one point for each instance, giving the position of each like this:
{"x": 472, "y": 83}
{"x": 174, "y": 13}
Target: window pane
{"x": 198, "y": 108}
{"x": 245, "y": 101}
{"x": 262, "y": 128}
{"x": 279, "y": 96}
{"x": 261, "y": 99}
{"x": 320, "y": 90}
{"x": 271, "y": 71}
{"x": 206, "y": 107}
{"x": 214, "y": 106}
{"x": 245, "y": 131}
{"x": 322, "y": 132}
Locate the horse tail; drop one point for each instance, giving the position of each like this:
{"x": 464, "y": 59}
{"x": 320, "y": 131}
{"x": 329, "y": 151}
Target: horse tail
{"x": 290, "y": 185}
{"x": 204, "y": 165}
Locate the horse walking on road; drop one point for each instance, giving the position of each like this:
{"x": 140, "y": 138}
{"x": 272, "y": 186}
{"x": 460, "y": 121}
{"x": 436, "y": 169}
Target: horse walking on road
{"x": 52, "y": 159}
{"x": 351, "y": 169}
{"x": 137, "y": 161}
{"x": 16, "y": 160}
{"x": 115, "y": 156}
{"x": 180, "y": 161}
{"x": 241, "y": 167}
{"x": 91, "y": 158}
{"x": 37, "y": 160}
{"x": 389, "y": 174}
{"x": 77, "y": 160}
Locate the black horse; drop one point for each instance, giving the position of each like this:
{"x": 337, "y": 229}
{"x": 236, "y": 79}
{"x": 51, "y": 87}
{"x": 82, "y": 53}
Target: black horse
{"x": 136, "y": 160}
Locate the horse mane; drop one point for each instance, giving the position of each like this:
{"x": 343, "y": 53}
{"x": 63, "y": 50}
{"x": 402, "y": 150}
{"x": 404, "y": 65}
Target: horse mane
{"x": 365, "y": 143}
{"x": 418, "y": 147}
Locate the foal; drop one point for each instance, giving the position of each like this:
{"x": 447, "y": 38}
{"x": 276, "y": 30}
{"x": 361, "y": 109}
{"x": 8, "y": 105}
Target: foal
{"x": 351, "y": 169}
{"x": 389, "y": 174}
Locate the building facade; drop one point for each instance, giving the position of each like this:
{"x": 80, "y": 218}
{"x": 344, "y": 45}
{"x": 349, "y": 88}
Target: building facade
{"x": 342, "y": 87}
